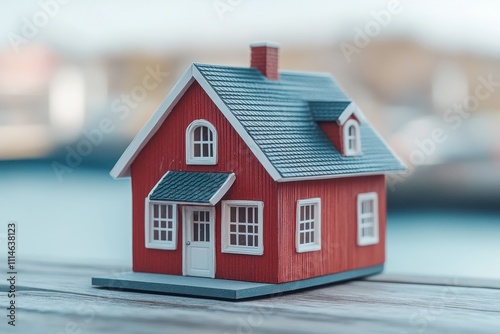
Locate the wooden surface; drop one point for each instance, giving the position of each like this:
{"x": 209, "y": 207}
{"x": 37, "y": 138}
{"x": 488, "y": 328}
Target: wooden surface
{"x": 59, "y": 299}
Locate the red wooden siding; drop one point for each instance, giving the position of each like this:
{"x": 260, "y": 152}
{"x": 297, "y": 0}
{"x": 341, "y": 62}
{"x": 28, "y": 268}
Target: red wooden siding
{"x": 166, "y": 151}
{"x": 334, "y": 132}
{"x": 339, "y": 250}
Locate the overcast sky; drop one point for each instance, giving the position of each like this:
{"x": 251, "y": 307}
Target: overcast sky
{"x": 107, "y": 25}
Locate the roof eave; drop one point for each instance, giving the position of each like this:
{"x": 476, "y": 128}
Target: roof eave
{"x": 338, "y": 176}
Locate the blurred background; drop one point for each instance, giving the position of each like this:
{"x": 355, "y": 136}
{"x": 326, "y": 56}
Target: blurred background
{"x": 426, "y": 74}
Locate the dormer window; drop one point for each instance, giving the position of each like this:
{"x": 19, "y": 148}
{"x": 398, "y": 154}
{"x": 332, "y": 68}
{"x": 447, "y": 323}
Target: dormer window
{"x": 201, "y": 143}
{"x": 352, "y": 138}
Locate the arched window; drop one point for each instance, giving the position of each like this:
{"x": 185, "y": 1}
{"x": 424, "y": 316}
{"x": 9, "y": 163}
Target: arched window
{"x": 201, "y": 143}
{"x": 352, "y": 138}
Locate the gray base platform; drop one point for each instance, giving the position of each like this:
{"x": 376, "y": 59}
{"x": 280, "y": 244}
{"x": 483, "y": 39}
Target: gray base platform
{"x": 219, "y": 288}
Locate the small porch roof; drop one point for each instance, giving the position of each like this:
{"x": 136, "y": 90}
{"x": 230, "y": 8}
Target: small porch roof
{"x": 203, "y": 188}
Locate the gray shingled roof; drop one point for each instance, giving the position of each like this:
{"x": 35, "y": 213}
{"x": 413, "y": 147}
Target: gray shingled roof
{"x": 278, "y": 116}
{"x": 327, "y": 111}
{"x": 192, "y": 187}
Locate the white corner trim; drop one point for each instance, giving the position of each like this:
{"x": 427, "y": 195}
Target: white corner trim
{"x": 237, "y": 125}
{"x": 223, "y": 189}
{"x": 122, "y": 166}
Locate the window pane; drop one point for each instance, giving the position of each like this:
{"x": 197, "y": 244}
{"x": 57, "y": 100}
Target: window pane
{"x": 242, "y": 228}
{"x": 197, "y": 150}
{"x": 205, "y": 150}
{"x": 202, "y": 216}
{"x": 232, "y": 215}
{"x": 195, "y": 216}
{"x": 195, "y": 232}
{"x": 211, "y": 150}
{"x": 207, "y": 216}
{"x": 242, "y": 240}
{"x": 170, "y": 225}
{"x": 156, "y": 235}
{"x": 352, "y": 130}
{"x": 211, "y": 136}
{"x": 205, "y": 131}
{"x": 250, "y": 216}
{"x": 155, "y": 211}
{"x": 312, "y": 236}
{"x": 170, "y": 236}
{"x": 170, "y": 211}
{"x": 250, "y": 229}
{"x": 301, "y": 238}
{"x": 163, "y": 224}
{"x": 232, "y": 239}
{"x": 207, "y": 230}
{"x": 156, "y": 224}
{"x": 307, "y": 237}
{"x": 313, "y": 208}
{"x": 250, "y": 240}
{"x": 242, "y": 214}
{"x": 307, "y": 212}
{"x": 202, "y": 232}
{"x": 163, "y": 235}
{"x": 197, "y": 135}
{"x": 232, "y": 227}
{"x": 256, "y": 241}
{"x": 301, "y": 212}
{"x": 163, "y": 210}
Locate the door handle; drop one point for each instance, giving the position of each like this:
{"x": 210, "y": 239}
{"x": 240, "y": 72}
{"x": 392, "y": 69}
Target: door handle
{"x": 188, "y": 243}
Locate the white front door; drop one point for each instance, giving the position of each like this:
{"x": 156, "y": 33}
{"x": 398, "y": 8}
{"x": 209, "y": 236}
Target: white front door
{"x": 199, "y": 251}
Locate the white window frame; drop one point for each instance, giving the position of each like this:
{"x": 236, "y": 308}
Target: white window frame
{"x": 316, "y": 245}
{"x": 349, "y": 151}
{"x": 226, "y": 234}
{"x": 149, "y": 229}
{"x": 190, "y": 158}
{"x": 368, "y": 240}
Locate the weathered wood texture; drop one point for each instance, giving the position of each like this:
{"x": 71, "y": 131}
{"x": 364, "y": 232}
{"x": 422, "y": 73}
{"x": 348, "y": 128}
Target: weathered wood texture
{"x": 59, "y": 299}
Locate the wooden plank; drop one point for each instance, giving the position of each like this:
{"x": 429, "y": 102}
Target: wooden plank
{"x": 436, "y": 280}
{"x": 60, "y": 299}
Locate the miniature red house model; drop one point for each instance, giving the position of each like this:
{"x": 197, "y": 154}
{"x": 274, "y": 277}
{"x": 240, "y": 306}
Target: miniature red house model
{"x": 258, "y": 175}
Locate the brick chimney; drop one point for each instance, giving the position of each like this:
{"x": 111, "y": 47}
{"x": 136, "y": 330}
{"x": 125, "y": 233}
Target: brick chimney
{"x": 265, "y": 59}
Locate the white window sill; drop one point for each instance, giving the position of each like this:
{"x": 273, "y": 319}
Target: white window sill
{"x": 243, "y": 250}
{"x": 161, "y": 245}
{"x": 308, "y": 248}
